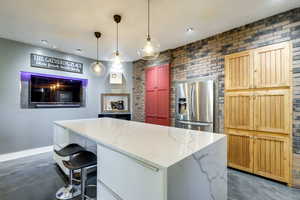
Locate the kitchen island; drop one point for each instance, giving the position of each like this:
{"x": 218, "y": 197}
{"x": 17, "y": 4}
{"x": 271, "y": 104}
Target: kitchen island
{"x": 149, "y": 162}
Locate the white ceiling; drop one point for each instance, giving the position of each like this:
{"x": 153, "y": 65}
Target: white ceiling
{"x": 69, "y": 24}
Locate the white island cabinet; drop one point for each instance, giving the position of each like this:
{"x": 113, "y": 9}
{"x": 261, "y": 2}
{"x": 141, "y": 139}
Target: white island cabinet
{"x": 138, "y": 161}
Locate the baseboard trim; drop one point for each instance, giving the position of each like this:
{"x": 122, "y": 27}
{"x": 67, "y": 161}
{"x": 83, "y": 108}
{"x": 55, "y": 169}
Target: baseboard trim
{"x": 25, "y": 153}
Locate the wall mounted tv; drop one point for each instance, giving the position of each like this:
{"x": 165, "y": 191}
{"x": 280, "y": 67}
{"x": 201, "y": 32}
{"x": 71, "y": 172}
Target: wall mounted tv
{"x": 46, "y": 91}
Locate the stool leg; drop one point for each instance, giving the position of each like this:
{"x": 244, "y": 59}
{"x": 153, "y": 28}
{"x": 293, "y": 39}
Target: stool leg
{"x": 71, "y": 178}
{"x": 71, "y": 182}
{"x": 83, "y": 180}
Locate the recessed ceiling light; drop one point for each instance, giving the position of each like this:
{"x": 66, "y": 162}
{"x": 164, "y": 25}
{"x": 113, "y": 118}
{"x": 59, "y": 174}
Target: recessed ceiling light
{"x": 44, "y": 41}
{"x": 190, "y": 29}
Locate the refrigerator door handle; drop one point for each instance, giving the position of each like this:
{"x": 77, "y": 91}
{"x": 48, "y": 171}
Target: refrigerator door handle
{"x": 190, "y": 89}
{"x": 193, "y": 101}
{"x": 196, "y": 123}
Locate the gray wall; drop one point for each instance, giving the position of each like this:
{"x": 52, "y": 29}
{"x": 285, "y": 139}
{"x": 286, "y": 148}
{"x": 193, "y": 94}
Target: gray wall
{"x": 22, "y": 129}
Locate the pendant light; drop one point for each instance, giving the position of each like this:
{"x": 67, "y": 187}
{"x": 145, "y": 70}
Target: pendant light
{"x": 150, "y": 50}
{"x": 117, "y": 62}
{"x": 97, "y": 67}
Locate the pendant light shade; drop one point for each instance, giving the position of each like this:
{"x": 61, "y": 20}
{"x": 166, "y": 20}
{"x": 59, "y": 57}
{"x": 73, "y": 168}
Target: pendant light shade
{"x": 151, "y": 48}
{"x": 97, "y": 67}
{"x": 117, "y": 58}
{"x": 117, "y": 61}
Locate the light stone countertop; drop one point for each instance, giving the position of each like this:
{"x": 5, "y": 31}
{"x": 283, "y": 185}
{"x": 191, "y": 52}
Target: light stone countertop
{"x": 160, "y": 146}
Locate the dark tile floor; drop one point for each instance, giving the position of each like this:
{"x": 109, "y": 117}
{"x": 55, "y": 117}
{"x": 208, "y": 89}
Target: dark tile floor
{"x": 36, "y": 178}
{"x": 243, "y": 186}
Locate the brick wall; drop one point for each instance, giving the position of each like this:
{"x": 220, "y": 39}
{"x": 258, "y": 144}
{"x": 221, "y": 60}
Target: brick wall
{"x": 206, "y": 58}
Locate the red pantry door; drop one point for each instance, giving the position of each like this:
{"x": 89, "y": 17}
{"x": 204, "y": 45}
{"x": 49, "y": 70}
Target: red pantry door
{"x": 157, "y": 97}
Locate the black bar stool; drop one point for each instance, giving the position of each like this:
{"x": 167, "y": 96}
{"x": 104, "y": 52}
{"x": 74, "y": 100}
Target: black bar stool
{"x": 83, "y": 161}
{"x": 68, "y": 191}
{"x": 69, "y": 150}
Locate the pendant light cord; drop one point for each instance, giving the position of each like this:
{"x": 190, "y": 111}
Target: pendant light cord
{"x": 117, "y": 37}
{"x": 97, "y": 50}
{"x": 148, "y": 37}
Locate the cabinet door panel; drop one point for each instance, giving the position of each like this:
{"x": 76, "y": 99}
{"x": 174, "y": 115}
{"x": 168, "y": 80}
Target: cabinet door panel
{"x": 151, "y": 78}
{"x": 103, "y": 192}
{"x": 163, "y": 103}
{"x": 151, "y": 120}
{"x": 272, "y": 111}
{"x": 151, "y": 103}
{"x": 240, "y": 151}
{"x": 163, "y": 95}
{"x": 151, "y": 95}
{"x": 271, "y": 157}
{"x": 128, "y": 178}
{"x": 163, "y": 77}
{"x": 239, "y": 110}
{"x": 238, "y": 71}
{"x": 272, "y": 66}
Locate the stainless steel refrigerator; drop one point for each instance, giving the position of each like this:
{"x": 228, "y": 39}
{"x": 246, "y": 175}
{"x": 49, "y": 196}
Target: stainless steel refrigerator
{"x": 195, "y": 105}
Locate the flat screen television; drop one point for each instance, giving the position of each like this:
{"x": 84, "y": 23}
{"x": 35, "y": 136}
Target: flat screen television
{"x": 50, "y": 91}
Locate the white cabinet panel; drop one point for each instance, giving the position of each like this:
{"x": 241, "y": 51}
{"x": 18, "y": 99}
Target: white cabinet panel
{"x": 90, "y": 146}
{"x": 77, "y": 139}
{"x": 130, "y": 178}
{"x": 61, "y": 137}
{"x": 104, "y": 193}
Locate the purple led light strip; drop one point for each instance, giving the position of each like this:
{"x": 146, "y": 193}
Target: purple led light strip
{"x": 26, "y": 76}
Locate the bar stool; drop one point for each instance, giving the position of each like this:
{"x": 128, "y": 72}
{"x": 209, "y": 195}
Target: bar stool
{"x": 67, "y": 192}
{"x": 83, "y": 161}
{"x": 69, "y": 150}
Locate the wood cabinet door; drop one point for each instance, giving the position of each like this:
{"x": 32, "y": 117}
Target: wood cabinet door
{"x": 239, "y": 110}
{"x": 271, "y": 157}
{"x": 272, "y": 111}
{"x": 239, "y": 71}
{"x": 240, "y": 150}
{"x": 272, "y": 66}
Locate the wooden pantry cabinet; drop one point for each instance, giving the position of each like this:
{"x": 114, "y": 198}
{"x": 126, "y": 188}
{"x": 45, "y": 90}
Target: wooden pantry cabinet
{"x": 240, "y": 149}
{"x": 239, "y": 110}
{"x": 266, "y": 110}
{"x": 258, "y": 111}
{"x": 271, "y": 156}
{"x": 272, "y": 111}
{"x": 239, "y": 71}
{"x": 272, "y": 66}
{"x": 265, "y": 67}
